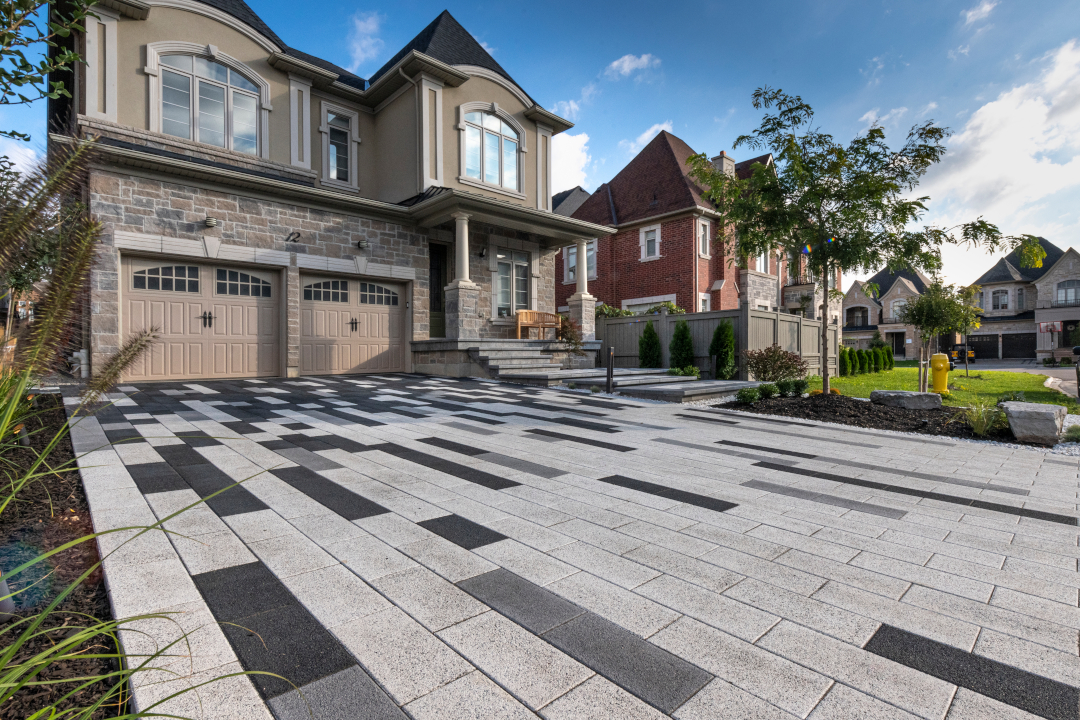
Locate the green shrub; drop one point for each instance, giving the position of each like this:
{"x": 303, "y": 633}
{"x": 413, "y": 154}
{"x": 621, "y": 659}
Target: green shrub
{"x": 801, "y": 386}
{"x": 1072, "y": 434}
{"x": 774, "y": 363}
{"x": 1049, "y": 362}
{"x": 845, "y": 362}
{"x": 890, "y": 361}
{"x": 610, "y": 311}
{"x": 767, "y": 391}
{"x": 685, "y": 371}
{"x": 786, "y": 387}
{"x": 594, "y": 389}
{"x": 876, "y": 363}
{"x": 748, "y": 395}
{"x": 864, "y": 362}
{"x": 671, "y": 307}
{"x": 572, "y": 385}
{"x": 722, "y": 349}
{"x": 649, "y": 354}
{"x": 983, "y": 416}
{"x": 1066, "y": 361}
{"x": 681, "y": 348}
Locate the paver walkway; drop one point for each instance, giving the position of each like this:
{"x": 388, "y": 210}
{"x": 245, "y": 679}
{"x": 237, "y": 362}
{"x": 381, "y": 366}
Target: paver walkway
{"x": 404, "y": 546}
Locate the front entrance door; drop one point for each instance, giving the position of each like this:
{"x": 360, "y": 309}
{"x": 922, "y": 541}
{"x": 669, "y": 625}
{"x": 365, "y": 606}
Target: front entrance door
{"x": 436, "y": 289}
{"x": 897, "y": 341}
{"x": 350, "y": 326}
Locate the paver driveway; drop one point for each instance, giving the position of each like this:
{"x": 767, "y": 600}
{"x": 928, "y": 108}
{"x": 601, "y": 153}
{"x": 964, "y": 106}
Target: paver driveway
{"x": 404, "y": 546}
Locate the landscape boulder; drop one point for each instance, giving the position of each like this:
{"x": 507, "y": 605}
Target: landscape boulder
{"x": 1035, "y": 422}
{"x": 908, "y": 399}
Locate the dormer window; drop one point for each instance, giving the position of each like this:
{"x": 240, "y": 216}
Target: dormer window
{"x": 491, "y": 150}
{"x": 207, "y": 102}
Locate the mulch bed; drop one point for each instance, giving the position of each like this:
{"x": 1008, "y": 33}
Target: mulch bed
{"x": 47, "y": 514}
{"x": 845, "y": 410}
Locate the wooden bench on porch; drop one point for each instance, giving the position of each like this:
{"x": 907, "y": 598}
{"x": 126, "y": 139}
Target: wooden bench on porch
{"x": 539, "y": 320}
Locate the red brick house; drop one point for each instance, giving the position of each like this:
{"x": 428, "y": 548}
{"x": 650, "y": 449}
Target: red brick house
{"x": 666, "y": 247}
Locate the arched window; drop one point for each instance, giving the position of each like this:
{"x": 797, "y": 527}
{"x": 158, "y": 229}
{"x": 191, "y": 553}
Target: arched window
{"x": 170, "y": 278}
{"x": 491, "y": 150}
{"x": 372, "y": 294}
{"x": 205, "y": 101}
{"x": 857, "y": 316}
{"x": 1068, "y": 292}
{"x": 241, "y": 284}
{"x": 327, "y": 291}
{"x": 1000, "y": 299}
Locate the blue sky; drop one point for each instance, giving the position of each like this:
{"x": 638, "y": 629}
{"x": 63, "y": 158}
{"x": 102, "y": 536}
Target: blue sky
{"x": 1004, "y": 75}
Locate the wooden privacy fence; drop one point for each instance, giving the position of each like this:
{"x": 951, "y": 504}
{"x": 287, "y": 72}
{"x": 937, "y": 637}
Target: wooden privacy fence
{"x": 754, "y": 330}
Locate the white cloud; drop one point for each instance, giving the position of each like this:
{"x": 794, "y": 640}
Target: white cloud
{"x": 21, "y": 153}
{"x": 628, "y": 64}
{"x": 962, "y": 50}
{"x": 635, "y": 145}
{"x": 979, "y": 12}
{"x": 872, "y": 71}
{"x": 570, "y": 109}
{"x": 364, "y": 41}
{"x": 873, "y": 118}
{"x": 569, "y": 161}
{"x": 1015, "y": 161}
{"x": 491, "y": 50}
{"x": 930, "y": 107}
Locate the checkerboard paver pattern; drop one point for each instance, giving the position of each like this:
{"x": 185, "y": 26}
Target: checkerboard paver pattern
{"x": 412, "y": 547}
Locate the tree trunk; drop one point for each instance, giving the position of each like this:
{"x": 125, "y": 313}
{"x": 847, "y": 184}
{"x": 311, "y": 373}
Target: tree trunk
{"x": 825, "y": 335}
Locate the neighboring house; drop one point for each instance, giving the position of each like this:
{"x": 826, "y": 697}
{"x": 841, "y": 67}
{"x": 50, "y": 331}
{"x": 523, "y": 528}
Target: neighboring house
{"x": 667, "y": 245}
{"x": 274, "y": 214}
{"x": 568, "y": 201}
{"x": 867, "y": 312}
{"x": 1017, "y": 301}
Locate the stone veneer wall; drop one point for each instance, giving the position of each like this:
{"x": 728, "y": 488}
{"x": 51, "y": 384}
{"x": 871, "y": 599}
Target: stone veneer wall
{"x": 758, "y": 289}
{"x": 126, "y": 202}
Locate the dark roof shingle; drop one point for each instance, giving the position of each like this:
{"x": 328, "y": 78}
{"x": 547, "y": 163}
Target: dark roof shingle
{"x": 1010, "y": 269}
{"x": 886, "y": 278}
{"x": 567, "y": 201}
{"x": 655, "y": 182}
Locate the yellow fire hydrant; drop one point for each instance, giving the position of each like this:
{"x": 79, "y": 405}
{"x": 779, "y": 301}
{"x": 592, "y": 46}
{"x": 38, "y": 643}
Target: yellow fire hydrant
{"x": 939, "y": 365}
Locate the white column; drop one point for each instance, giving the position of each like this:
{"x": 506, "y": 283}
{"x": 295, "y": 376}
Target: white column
{"x": 461, "y": 250}
{"x": 582, "y": 267}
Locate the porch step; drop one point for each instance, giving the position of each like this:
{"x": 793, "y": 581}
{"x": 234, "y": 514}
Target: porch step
{"x": 519, "y": 365}
{"x": 508, "y": 356}
{"x": 653, "y": 380}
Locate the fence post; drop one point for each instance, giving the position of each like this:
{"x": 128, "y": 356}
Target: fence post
{"x": 611, "y": 370}
{"x": 665, "y": 338}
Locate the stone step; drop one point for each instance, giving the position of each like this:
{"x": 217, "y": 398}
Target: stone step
{"x": 653, "y": 380}
{"x": 516, "y": 367}
{"x": 513, "y": 355}
{"x": 515, "y": 362}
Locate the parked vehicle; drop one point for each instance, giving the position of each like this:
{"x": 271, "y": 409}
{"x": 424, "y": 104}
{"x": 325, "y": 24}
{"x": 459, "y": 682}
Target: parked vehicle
{"x": 956, "y": 354}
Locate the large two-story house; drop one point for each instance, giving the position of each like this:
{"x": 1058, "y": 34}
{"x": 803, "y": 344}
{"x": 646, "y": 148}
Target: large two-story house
{"x": 875, "y": 306}
{"x": 272, "y": 214}
{"x": 668, "y": 245}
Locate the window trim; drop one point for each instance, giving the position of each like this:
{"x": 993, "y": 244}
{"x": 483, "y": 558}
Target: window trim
{"x": 507, "y": 243}
{"x": 530, "y": 300}
{"x": 567, "y": 279}
{"x": 641, "y": 242}
{"x": 157, "y": 265}
{"x": 706, "y": 226}
{"x": 155, "y": 50}
{"x": 491, "y": 107}
{"x": 327, "y": 108}
{"x": 995, "y": 303}
{"x": 703, "y": 300}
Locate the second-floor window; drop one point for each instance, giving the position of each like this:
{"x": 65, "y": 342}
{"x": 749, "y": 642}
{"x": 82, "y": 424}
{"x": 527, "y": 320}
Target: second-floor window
{"x": 1068, "y": 292}
{"x": 338, "y": 162}
{"x": 1001, "y": 299}
{"x": 763, "y": 263}
{"x": 491, "y": 150}
{"x": 590, "y": 261}
{"x": 207, "y": 102}
{"x": 704, "y": 244}
{"x": 1019, "y": 298}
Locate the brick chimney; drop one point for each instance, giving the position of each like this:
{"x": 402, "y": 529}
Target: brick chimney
{"x": 724, "y": 163}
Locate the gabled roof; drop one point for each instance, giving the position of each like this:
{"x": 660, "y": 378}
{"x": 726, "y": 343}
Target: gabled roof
{"x": 240, "y": 10}
{"x": 1009, "y": 268}
{"x": 567, "y": 201}
{"x": 860, "y": 285}
{"x": 344, "y": 75}
{"x": 655, "y": 182}
{"x": 447, "y": 41}
{"x": 744, "y": 169}
{"x": 886, "y": 278}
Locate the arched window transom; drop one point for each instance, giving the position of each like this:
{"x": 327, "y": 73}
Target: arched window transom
{"x": 327, "y": 291}
{"x": 1068, "y": 291}
{"x": 491, "y": 150}
{"x": 241, "y": 284}
{"x": 372, "y": 294}
{"x": 1000, "y": 299}
{"x": 170, "y": 278}
{"x": 205, "y": 101}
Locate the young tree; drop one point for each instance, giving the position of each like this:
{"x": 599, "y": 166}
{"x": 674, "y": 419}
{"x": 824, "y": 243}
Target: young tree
{"x": 968, "y": 319}
{"x": 845, "y": 206}
{"x": 722, "y": 349}
{"x": 649, "y": 355}
{"x": 939, "y": 309}
{"x": 681, "y": 348}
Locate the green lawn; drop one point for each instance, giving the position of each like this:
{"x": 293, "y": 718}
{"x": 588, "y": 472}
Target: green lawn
{"x": 987, "y": 384}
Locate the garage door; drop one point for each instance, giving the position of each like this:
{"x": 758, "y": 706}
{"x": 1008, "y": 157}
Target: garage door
{"x": 1018, "y": 345}
{"x": 985, "y": 346}
{"x": 350, "y": 326}
{"x": 213, "y": 322}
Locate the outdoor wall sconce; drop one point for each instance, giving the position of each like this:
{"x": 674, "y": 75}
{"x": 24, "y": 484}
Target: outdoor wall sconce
{"x": 210, "y": 222}
{"x": 361, "y": 244}
{"x": 292, "y": 237}
{"x": 483, "y": 252}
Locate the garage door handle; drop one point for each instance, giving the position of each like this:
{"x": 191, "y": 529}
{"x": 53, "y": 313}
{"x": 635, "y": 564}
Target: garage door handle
{"x": 207, "y": 319}
{"x": 353, "y": 323}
